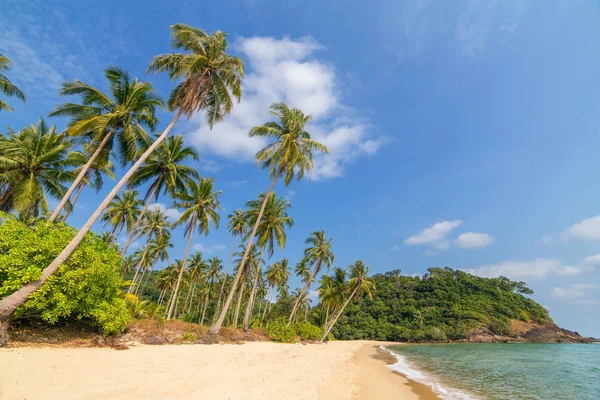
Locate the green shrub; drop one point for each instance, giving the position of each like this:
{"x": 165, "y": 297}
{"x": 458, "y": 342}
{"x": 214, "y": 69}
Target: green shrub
{"x": 435, "y": 333}
{"x": 308, "y": 331}
{"x": 87, "y": 286}
{"x": 278, "y": 331}
{"x": 501, "y": 327}
{"x": 189, "y": 336}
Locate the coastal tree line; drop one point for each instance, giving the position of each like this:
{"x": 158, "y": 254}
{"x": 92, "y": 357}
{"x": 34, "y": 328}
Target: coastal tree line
{"x": 39, "y": 164}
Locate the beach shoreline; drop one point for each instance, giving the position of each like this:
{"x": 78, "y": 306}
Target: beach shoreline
{"x": 265, "y": 370}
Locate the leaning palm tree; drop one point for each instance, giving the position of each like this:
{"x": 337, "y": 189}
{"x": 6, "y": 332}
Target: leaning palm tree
{"x": 33, "y": 166}
{"x": 103, "y": 117}
{"x": 237, "y": 225}
{"x": 211, "y": 81}
{"x": 94, "y": 175}
{"x": 271, "y": 229}
{"x": 6, "y": 87}
{"x": 167, "y": 172}
{"x": 122, "y": 212}
{"x": 251, "y": 263}
{"x": 358, "y": 285}
{"x": 318, "y": 254}
{"x": 200, "y": 206}
{"x": 290, "y": 155}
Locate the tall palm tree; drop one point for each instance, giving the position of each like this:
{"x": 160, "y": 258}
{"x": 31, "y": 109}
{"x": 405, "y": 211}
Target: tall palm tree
{"x": 209, "y": 74}
{"x": 121, "y": 114}
{"x": 200, "y": 206}
{"x": 358, "y": 285}
{"x": 289, "y": 155}
{"x": 276, "y": 275}
{"x": 168, "y": 174}
{"x": 237, "y": 225}
{"x": 158, "y": 250}
{"x": 165, "y": 280}
{"x": 213, "y": 273}
{"x": 6, "y": 87}
{"x": 122, "y": 212}
{"x": 251, "y": 263}
{"x": 155, "y": 225}
{"x": 271, "y": 229}
{"x": 94, "y": 175}
{"x": 326, "y": 295}
{"x": 318, "y": 254}
{"x": 197, "y": 267}
{"x": 33, "y": 166}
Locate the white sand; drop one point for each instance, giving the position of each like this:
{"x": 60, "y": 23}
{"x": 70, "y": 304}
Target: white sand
{"x": 248, "y": 371}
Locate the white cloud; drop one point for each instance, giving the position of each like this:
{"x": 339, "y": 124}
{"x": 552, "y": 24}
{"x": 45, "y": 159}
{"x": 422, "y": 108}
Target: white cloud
{"x": 313, "y": 296}
{"x": 537, "y": 269}
{"x": 396, "y": 248}
{"x": 285, "y": 70}
{"x": 473, "y": 240}
{"x": 572, "y": 291}
{"x": 434, "y": 234}
{"x": 547, "y": 239}
{"x": 172, "y": 214}
{"x": 587, "y": 230}
{"x": 592, "y": 261}
{"x": 210, "y": 249}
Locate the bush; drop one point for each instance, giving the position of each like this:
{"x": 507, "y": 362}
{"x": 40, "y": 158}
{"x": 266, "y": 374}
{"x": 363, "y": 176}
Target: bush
{"x": 435, "y": 333}
{"x": 87, "y": 286}
{"x": 500, "y": 327}
{"x": 278, "y": 331}
{"x": 308, "y": 331}
{"x": 189, "y": 336}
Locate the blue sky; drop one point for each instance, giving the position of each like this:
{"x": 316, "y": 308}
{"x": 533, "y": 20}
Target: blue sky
{"x": 463, "y": 134}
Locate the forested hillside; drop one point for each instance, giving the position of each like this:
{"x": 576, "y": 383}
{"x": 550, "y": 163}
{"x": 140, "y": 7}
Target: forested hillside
{"x": 443, "y": 304}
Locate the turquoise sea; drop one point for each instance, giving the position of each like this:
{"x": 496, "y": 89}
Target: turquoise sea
{"x": 503, "y": 371}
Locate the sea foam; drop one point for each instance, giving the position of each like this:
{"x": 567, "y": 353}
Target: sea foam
{"x": 404, "y": 367}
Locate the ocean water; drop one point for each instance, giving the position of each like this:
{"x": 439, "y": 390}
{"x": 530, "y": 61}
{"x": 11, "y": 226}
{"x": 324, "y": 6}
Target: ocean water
{"x": 503, "y": 371}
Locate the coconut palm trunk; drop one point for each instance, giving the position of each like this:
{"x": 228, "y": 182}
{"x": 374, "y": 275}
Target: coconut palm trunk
{"x": 308, "y": 283}
{"x": 138, "y": 269}
{"x": 10, "y": 303}
{"x": 267, "y": 306}
{"x": 138, "y": 221}
{"x": 214, "y": 330}
{"x": 250, "y": 305}
{"x": 81, "y": 175}
{"x": 77, "y": 193}
{"x": 206, "y": 299}
{"x": 334, "y": 320}
{"x": 185, "y": 255}
{"x": 222, "y": 289}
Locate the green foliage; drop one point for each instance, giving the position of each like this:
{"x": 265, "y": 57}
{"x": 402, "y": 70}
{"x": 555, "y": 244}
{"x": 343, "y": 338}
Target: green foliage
{"x": 500, "y": 326}
{"x": 308, "y": 331}
{"x": 280, "y": 332}
{"x": 189, "y": 337}
{"x": 443, "y": 304}
{"x": 87, "y": 286}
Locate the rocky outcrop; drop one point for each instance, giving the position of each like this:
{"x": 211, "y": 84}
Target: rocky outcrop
{"x": 529, "y": 332}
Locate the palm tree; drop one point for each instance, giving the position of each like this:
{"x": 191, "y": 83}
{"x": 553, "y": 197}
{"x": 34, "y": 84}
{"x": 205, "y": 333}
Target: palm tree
{"x": 6, "y": 87}
{"x": 158, "y": 250}
{"x": 168, "y": 173}
{"x": 359, "y": 284}
{"x": 166, "y": 280}
{"x": 200, "y": 206}
{"x": 155, "y": 225}
{"x": 93, "y": 176}
{"x": 290, "y": 155}
{"x": 326, "y": 295}
{"x": 237, "y": 225}
{"x": 318, "y": 254}
{"x": 33, "y": 164}
{"x": 196, "y": 268}
{"x": 128, "y": 263}
{"x": 121, "y": 114}
{"x": 122, "y": 212}
{"x": 303, "y": 301}
{"x": 251, "y": 262}
{"x": 208, "y": 74}
{"x": 271, "y": 229}
{"x": 213, "y": 273}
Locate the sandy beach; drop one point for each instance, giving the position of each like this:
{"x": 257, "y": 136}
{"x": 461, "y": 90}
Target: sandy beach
{"x": 336, "y": 370}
